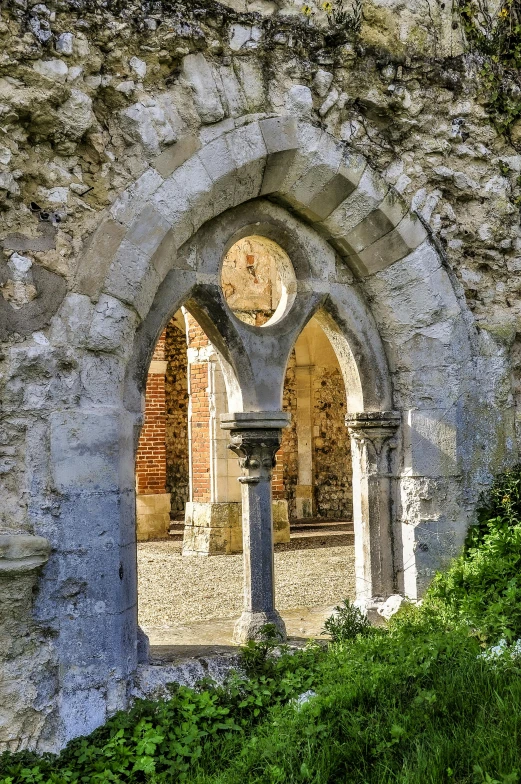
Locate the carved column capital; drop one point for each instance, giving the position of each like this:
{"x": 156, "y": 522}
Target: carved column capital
{"x": 255, "y": 438}
{"x": 374, "y": 426}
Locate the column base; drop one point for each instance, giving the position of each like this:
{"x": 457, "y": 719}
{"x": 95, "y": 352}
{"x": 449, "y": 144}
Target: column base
{"x": 250, "y": 626}
{"x": 280, "y": 515}
{"x": 212, "y": 528}
{"x": 216, "y": 528}
{"x": 152, "y": 516}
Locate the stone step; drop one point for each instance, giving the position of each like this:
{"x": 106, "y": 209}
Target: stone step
{"x": 314, "y": 524}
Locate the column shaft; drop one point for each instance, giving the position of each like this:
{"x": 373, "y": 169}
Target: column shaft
{"x": 255, "y": 439}
{"x": 371, "y": 444}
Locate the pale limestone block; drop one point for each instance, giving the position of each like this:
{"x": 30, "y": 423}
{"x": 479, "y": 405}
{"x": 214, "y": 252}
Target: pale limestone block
{"x": 322, "y": 82}
{"x": 280, "y": 521}
{"x": 86, "y": 449}
{"x": 97, "y": 257}
{"x": 132, "y": 278}
{"x": 152, "y": 516}
{"x": 209, "y": 133}
{"x": 232, "y": 95}
{"x": 201, "y": 77}
{"x": 112, "y": 325}
{"x": 248, "y": 153}
{"x": 397, "y": 244}
{"x": 76, "y": 115}
{"x": 191, "y": 182}
{"x": 299, "y": 100}
{"x": 431, "y": 443}
{"x": 251, "y": 79}
{"x": 366, "y": 198}
{"x": 21, "y": 553}
{"x": 101, "y": 377}
{"x": 280, "y": 133}
{"x": 56, "y": 70}
{"x": 126, "y": 208}
{"x": 330, "y": 101}
{"x": 323, "y": 168}
{"x": 70, "y": 325}
{"x": 148, "y": 230}
{"x": 378, "y": 223}
{"x": 283, "y": 169}
{"x": 148, "y": 125}
{"x": 171, "y": 158}
{"x": 175, "y": 208}
{"x": 239, "y": 35}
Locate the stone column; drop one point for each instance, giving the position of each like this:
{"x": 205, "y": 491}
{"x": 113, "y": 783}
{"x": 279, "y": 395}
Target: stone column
{"x": 371, "y": 445}
{"x": 255, "y": 439}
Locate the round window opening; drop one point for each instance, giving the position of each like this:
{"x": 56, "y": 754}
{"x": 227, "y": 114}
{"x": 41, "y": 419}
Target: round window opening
{"x": 258, "y": 281}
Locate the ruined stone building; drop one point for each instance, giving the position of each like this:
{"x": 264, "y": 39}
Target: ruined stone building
{"x": 299, "y": 239}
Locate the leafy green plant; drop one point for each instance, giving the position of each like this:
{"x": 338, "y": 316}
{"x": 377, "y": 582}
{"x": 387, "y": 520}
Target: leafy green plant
{"x": 496, "y": 38}
{"x": 347, "y": 623}
{"x": 340, "y": 16}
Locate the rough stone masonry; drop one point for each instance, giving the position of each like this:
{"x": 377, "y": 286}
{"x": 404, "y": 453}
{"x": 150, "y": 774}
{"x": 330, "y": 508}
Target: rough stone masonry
{"x": 138, "y": 142}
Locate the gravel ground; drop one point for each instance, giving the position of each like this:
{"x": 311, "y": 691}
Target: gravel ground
{"x": 174, "y": 590}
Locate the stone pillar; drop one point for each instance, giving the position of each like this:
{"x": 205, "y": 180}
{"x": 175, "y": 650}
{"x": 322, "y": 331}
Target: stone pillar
{"x": 304, "y": 489}
{"x": 255, "y": 439}
{"x": 371, "y": 445}
{"x": 152, "y": 500}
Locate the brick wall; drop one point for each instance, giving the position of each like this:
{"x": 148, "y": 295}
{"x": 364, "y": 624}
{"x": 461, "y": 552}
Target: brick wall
{"x": 151, "y": 453}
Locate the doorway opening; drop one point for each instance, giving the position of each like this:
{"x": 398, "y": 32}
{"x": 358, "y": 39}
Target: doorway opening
{"x": 188, "y": 494}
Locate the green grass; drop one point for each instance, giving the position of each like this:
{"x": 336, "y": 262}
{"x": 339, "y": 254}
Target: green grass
{"x": 418, "y": 703}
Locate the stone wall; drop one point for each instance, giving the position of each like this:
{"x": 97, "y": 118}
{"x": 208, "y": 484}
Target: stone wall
{"x": 176, "y": 383}
{"x": 333, "y": 477}
{"x": 108, "y": 116}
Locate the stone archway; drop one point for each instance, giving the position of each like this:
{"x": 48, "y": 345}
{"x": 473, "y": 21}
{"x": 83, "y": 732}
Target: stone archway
{"x": 404, "y": 344}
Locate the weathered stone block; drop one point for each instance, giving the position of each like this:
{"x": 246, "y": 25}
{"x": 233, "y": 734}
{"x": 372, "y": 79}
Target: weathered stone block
{"x": 199, "y": 74}
{"x": 176, "y": 155}
{"x": 97, "y": 257}
{"x": 280, "y": 521}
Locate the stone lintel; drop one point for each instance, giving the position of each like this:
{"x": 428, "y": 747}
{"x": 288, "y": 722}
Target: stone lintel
{"x": 368, "y": 419}
{"x": 256, "y": 420}
{"x": 22, "y": 553}
{"x": 158, "y": 367}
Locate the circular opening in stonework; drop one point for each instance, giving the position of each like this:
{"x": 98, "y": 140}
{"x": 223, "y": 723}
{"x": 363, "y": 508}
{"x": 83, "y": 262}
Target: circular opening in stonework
{"x": 258, "y": 281}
